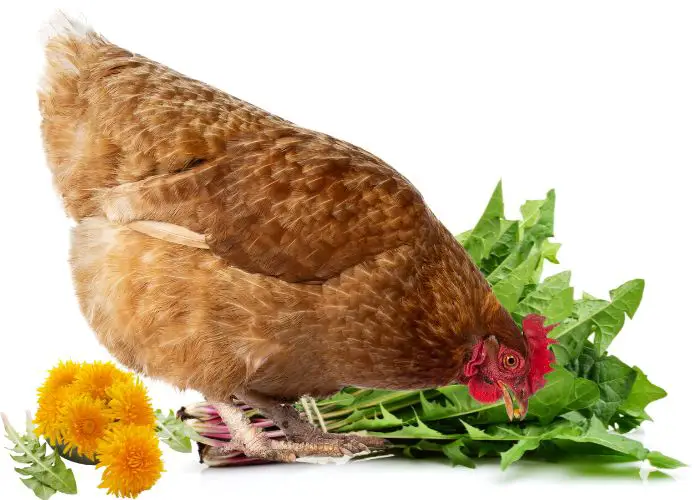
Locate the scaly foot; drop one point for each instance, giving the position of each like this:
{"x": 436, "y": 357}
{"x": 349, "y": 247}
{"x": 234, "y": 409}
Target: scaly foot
{"x": 349, "y": 443}
{"x": 270, "y": 450}
{"x": 254, "y": 444}
{"x": 299, "y": 430}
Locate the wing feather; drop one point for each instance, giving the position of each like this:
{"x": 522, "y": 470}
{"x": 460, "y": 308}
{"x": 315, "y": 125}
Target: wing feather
{"x": 290, "y": 203}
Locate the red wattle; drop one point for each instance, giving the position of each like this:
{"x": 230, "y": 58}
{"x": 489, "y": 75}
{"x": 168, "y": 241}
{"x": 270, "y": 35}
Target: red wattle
{"x": 482, "y": 391}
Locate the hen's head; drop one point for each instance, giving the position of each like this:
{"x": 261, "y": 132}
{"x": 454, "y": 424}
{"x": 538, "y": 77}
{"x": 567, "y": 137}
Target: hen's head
{"x": 509, "y": 362}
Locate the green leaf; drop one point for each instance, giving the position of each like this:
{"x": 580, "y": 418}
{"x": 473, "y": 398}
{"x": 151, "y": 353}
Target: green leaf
{"x": 597, "y": 433}
{"x": 381, "y": 419}
{"x": 174, "y": 432}
{"x": 510, "y": 289}
{"x": 580, "y": 431}
{"x": 46, "y": 474}
{"x": 575, "y": 429}
{"x": 488, "y": 416}
{"x": 60, "y": 478}
{"x": 550, "y": 251}
{"x": 452, "y": 401}
{"x": 604, "y": 319}
{"x": 365, "y": 406}
{"x": 582, "y": 365}
{"x": 615, "y": 380}
{"x": 370, "y": 397}
{"x": 537, "y": 226}
{"x": 478, "y": 241}
{"x": 663, "y": 462}
{"x": 643, "y": 392}
{"x": 585, "y": 394}
{"x": 475, "y": 433}
{"x": 629, "y": 296}
{"x": 517, "y": 451}
{"x": 530, "y": 210}
{"x": 417, "y": 431}
{"x": 454, "y": 452}
{"x": 510, "y": 263}
{"x": 624, "y": 423}
{"x": 549, "y": 401}
{"x": 341, "y": 398}
{"x": 516, "y": 431}
{"x": 502, "y": 248}
{"x": 538, "y": 218}
{"x": 553, "y": 299}
{"x": 40, "y": 489}
{"x": 22, "y": 459}
{"x": 488, "y": 448}
{"x": 574, "y": 417}
{"x": 422, "y": 448}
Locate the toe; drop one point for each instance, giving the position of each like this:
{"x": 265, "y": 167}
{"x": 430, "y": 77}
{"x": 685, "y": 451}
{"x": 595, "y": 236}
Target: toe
{"x": 355, "y": 446}
{"x": 330, "y": 450}
{"x": 284, "y": 456}
{"x": 373, "y": 442}
{"x": 310, "y": 449}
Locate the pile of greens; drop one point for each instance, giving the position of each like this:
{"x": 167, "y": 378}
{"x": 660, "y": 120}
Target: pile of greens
{"x": 590, "y": 400}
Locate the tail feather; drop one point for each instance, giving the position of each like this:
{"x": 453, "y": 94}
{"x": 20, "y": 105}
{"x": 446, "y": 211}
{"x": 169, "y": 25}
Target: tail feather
{"x": 64, "y": 39}
{"x": 61, "y": 25}
{"x": 70, "y": 46}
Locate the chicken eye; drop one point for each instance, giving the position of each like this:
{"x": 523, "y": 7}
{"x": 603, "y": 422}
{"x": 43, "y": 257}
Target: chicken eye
{"x": 510, "y": 361}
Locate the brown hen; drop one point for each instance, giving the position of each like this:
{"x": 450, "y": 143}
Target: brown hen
{"x": 223, "y": 249}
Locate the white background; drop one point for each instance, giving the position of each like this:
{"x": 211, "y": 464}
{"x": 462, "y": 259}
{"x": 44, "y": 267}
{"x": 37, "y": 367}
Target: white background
{"x": 600, "y": 100}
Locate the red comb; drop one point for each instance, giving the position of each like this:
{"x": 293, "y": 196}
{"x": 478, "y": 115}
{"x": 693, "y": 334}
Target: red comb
{"x": 541, "y": 358}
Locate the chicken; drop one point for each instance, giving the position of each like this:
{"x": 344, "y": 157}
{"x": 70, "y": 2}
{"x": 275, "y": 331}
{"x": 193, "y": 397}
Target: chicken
{"x": 223, "y": 249}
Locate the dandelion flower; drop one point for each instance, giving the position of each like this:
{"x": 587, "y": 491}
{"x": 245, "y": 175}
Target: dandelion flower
{"x": 62, "y": 375}
{"x": 95, "y": 378}
{"x": 132, "y": 460}
{"x": 129, "y": 404}
{"x": 48, "y": 420}
{"x": 84, "y": 422}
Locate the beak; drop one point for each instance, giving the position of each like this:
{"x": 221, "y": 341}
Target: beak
{"x": 513, "y": 412}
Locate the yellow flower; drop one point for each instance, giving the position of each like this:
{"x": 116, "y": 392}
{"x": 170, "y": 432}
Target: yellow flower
{"x": 84, "y": 422}
{"x": 48, "y": 420}
{"x": 132, "y": 460}
{"x": 61, "y": 375}
{"x": 129, "y": 404}
{"x": 95, "y": 378}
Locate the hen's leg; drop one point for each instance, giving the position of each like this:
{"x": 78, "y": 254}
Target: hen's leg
{"x": 254, "y": 444}
{"x": 298, "y": 430}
